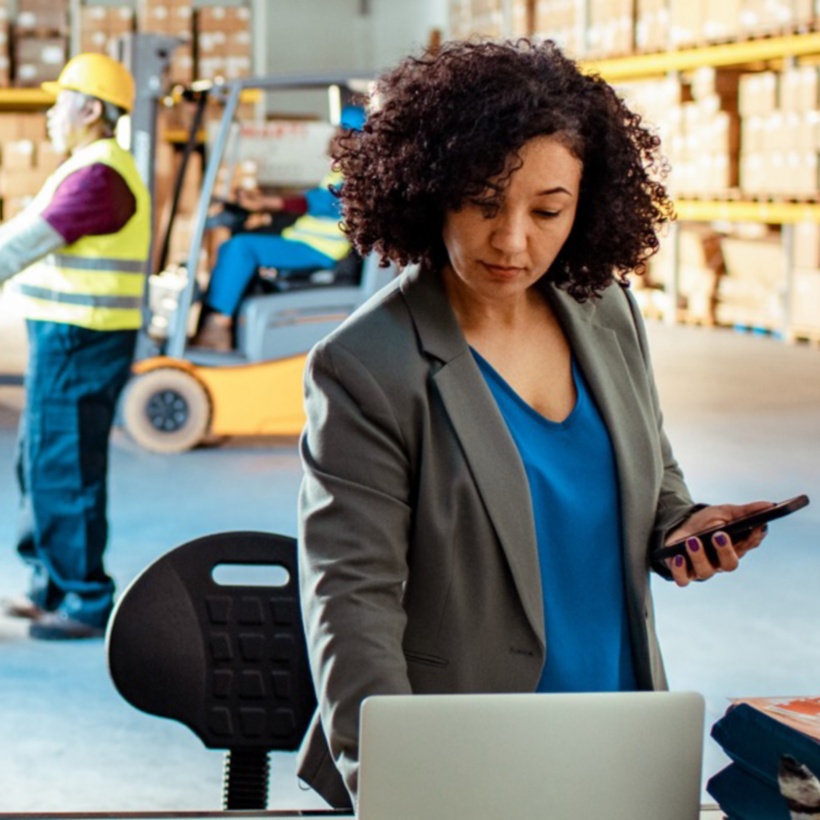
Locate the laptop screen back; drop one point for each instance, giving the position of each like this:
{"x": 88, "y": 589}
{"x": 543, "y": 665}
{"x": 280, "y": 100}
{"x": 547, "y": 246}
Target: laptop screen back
{"x": 622, "y": 756}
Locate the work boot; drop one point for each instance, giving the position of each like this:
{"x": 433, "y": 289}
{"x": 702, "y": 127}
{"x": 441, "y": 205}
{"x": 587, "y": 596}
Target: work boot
{"x": 21, "y": 606}
{"x": 57, "y": 626}
{"x": 215, "y": 333}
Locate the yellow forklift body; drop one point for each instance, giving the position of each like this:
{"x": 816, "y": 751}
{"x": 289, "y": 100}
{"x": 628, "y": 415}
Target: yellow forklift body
{"x": 262, "y": 398}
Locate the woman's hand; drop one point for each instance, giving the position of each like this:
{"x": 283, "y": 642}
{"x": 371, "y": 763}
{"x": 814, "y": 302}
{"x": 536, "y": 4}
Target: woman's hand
{"x": 729, "y": 553}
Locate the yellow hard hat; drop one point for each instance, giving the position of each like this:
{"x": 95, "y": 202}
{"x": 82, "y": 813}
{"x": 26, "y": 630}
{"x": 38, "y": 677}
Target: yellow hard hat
{"x": 97, "y": 75}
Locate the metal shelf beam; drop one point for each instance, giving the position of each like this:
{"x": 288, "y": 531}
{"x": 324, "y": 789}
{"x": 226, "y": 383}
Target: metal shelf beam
{"x": 773, "y": 213}
{"x": 722, "y": 55}
{"x": 24, "y": 98}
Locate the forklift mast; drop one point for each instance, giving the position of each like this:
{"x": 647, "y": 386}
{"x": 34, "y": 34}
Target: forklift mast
{"x": 147, "y": 56}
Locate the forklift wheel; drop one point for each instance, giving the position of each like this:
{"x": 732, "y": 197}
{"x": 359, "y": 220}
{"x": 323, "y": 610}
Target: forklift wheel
{"x": 166, "y": 410}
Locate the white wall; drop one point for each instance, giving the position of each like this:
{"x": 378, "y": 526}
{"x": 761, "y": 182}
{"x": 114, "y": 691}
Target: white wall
{"x": 317, "y": 35}
{"x": 403, "y": 26}
{"x": 310, "y": 36}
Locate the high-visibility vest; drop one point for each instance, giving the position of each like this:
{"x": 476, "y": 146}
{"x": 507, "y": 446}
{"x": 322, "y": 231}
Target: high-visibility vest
{"x": 324, "y": 233}
{"x": 98, "y": 281}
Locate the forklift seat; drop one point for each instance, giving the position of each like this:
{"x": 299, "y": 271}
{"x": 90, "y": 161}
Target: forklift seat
{"x": 196, "y": 639}
{"x": 346, "y": 272}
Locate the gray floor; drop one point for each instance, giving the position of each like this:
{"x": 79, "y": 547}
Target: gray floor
{"x": 743, "y": 412}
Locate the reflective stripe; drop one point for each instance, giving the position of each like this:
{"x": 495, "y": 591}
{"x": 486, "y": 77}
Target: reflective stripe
{"x": 33, "y": 292}
{"x": 325, "y": 237}
{"x": 65, "y": 260}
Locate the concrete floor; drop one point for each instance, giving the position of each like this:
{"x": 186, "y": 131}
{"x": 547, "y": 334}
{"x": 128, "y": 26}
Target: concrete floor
{"x": 743, "y": 412}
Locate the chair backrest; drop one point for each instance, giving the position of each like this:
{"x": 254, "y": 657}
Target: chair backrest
{"x": 228, "y": 661}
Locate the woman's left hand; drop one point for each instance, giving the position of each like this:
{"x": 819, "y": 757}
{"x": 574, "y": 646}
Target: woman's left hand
{"x": 729, "y": 553}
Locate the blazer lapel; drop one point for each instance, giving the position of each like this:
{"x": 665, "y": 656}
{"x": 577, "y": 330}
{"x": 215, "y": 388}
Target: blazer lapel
{"x": 482, "y": 432}
{"x": 604, "y": 362}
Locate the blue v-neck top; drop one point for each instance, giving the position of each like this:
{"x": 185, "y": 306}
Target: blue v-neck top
{"x": 573, "y": 484}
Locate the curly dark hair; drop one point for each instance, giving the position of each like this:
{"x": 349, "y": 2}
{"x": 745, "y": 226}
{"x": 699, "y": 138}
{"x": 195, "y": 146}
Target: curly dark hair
{"x": 447, "y": 122}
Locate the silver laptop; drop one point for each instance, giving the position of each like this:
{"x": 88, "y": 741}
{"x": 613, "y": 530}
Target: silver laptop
{"x": 621, "y": 756}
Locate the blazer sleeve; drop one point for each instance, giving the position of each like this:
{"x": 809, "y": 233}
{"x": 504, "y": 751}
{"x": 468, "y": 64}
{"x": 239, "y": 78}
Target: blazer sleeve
{"x": 354, "y": 519}
{"x": 675, "y": 503}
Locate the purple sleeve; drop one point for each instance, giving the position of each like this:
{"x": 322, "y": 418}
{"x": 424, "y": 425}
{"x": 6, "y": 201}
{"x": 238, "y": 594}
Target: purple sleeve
{"x": 92, "y": 201}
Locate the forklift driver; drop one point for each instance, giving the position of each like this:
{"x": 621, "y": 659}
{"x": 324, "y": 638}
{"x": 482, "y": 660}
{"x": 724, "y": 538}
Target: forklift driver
{"x": 314, "y": 240}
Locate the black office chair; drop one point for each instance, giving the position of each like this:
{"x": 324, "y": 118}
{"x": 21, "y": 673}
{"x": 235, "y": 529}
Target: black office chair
{"x": 228, "y": 661}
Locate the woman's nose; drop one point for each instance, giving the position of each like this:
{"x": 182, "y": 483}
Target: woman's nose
{"x": 509, "y": 233}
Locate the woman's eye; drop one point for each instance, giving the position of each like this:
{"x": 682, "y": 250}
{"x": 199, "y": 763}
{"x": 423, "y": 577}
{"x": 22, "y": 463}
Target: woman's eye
{"x": 488, "y": 207}
{"x": 542, "y": 212}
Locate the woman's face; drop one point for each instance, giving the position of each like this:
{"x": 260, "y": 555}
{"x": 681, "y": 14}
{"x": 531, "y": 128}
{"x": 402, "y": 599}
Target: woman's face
{"x": 501, "y": 246}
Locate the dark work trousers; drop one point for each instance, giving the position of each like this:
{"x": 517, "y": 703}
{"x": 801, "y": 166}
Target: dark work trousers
{"x": 74, "y": 379}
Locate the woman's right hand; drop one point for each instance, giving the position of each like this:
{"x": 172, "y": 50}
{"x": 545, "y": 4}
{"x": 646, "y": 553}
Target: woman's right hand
{"x": 698, "y": 567}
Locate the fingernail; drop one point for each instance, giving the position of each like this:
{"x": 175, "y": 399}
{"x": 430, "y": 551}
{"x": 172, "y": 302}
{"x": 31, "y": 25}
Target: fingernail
{"x": 693, "y": 544}
{"x": 721, "y": 540}
{"x": 678, "y": 560}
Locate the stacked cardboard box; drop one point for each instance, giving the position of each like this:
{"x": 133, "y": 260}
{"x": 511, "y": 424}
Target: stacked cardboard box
{"x": 459, "y": 18}
{"x": 223, "y": 42}
{"x": 176, "y": 19}
{"x": 762, "y": 16}
{"x": 710, "y": 134}
{"x": 5, "y": 61}
{"x": 615, "y": 27}
{"x": 699, "y": 136}
{"x": 560, "y": 20}
{"x": 780, "y": 133}
{"x": 700, "y": 272}
{"x": 100, "y": 26}
{"x": 488, "y": 18}
{"x": 39, "y": 41}
{"x": 651, "y": 25}
{"x": 721, "y": 22}
{"x": 751, "y": 292}
{"x": 26, "y": 159}
{"x": 804, "y": 301}
{"x": 522, "y": 13}
{"x": 610, "y": 28}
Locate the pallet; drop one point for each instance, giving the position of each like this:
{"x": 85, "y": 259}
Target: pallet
{"x": 807, "y": 336}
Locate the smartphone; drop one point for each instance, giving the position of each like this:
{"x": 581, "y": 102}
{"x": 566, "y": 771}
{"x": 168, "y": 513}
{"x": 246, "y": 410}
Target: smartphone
{"x": 737, "y": 530}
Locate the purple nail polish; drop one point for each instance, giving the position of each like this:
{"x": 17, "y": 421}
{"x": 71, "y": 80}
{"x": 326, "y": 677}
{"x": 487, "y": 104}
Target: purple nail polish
{"x": 678, "y": 560}
{"x": 693, "y": 544}
{"x": 721, "y": 540}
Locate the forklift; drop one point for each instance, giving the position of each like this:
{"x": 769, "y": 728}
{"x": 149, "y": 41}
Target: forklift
{"x": 180, "y": 396}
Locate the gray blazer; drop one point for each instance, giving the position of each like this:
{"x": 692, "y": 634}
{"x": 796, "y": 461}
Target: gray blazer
{"x": 418, "y": 559}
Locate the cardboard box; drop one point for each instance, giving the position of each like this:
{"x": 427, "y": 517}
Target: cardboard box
{"x": 38, "y": 59}
{"x": 21, "y": 182}
{"x": 22, "y": 127}
{"x": 17, "y": 155}
{"x": 14, "y": 205}
{"x": 42, "y": 16}
{"x": 721, "y": 21}
{"x": 48, "y": 158}
{"x": 32, "y": 127}
{"x": 804, "y": 302}
{"x": 686, "y": 22}
{"x": 758, "y": 93}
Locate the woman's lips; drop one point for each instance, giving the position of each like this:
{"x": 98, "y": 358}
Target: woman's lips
{"x": 505, "y": 271}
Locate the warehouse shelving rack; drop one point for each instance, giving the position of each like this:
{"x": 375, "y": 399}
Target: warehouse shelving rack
{"x": 756, "y": 54}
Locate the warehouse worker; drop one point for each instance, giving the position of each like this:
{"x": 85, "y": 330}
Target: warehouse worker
{"x": 82, "y": 245}
{"x": 314, "y": 240}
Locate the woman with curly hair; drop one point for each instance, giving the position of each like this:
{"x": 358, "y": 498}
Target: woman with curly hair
{"x": 486, "y": 471}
